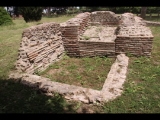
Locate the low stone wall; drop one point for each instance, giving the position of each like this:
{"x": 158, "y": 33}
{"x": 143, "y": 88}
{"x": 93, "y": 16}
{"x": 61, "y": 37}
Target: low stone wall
{"x": 92, "y": 48}
{"x": 112, "y": 88}
{"x": 41, "y": 45}
{"x": 151, "y": 23}
{"x": 105, "y": 18}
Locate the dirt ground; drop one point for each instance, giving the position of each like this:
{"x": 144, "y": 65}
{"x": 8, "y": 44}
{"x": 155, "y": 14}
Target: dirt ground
{"x": 99, "y": 33}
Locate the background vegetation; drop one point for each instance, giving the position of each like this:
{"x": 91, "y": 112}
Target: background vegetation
{"x": 5, "y": 19}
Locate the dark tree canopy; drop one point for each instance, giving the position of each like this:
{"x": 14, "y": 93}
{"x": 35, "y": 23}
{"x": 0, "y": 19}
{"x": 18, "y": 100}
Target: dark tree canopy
{"x": 5, "y": 18}
{"x": 31, "y": 13}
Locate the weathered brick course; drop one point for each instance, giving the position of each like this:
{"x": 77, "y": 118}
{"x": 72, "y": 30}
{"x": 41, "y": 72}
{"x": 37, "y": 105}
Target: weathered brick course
{"x": 43, "y": 44}
{"x": 40, "y": 46}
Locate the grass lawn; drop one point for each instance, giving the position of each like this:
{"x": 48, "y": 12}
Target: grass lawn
{"x": 85, "y": 72}
{"x": 141, "y": 89}
{"x": 10, "y": 37}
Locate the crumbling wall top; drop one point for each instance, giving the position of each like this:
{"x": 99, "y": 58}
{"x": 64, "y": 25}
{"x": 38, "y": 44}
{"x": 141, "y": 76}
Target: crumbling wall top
{"x": 104, "y": 16}
{"x": 135, "y": 31}
{"x": 76, "y": 20}
{"x": 109, "y": 12}
{"x": 133, "y": 26}
{"x": 129, "y": 19}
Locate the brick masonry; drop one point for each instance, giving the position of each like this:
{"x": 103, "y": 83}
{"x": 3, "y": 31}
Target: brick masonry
{"x": 133, "y": 36}
{"x": 96, "y": 48}
{"x": 44, "y": 44}
{"x": 40, "y": 46}
{"x": 105, "y": 18}
{"x": 71, "y": 31}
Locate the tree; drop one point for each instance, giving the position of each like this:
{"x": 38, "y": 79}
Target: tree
{"x": 31, "y": 13}
{"x": 48, "y": 11}
{"x": 143, "y": 12}
{"x": 5, "y": 18}
{"x": 60, "y": 10}
{"x": 157, "y": 9}
{"x": 16, "y": 11}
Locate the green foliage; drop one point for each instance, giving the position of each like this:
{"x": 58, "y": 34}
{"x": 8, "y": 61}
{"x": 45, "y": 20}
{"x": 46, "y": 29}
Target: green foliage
{"x": 5, "y": 19}
{"x": 31, "y": 13}
{"x": 86, "y": 37}
{"x": 119, "y": 10}
{"x": 72, "y": 10}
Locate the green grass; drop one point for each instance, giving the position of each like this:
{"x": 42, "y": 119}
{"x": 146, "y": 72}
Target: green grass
{"x": 153, "y": 18}
{"x": 86, "y": 72}
{"x": 10, "y": 37}
{"x": 141, "y": 89}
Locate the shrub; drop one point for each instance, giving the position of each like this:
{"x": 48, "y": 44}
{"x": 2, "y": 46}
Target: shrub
{"x": 5, "y": 18}
{"x": 31, "y": 13}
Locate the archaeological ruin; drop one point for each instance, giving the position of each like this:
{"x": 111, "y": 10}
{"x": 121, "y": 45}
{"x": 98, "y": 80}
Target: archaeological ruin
{"x": 100, "y": 33}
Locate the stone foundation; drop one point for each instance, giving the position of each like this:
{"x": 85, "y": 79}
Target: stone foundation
{"x": 112, "y": 87}
{"x": 151, "y": 23}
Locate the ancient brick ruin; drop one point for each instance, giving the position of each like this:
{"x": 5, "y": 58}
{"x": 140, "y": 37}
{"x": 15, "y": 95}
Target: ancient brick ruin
{"x": 100, "y": 33}
{"x": 41, "y": 45}
{"x": 133, "y": 36}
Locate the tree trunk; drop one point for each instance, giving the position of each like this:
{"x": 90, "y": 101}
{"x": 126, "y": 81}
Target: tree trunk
{"x": 48, "y": 11}
{"x": 143, "y": 12}
{"x": 150, "y": 15}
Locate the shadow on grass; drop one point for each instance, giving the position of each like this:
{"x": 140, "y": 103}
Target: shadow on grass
{"x": 17, "y": 98}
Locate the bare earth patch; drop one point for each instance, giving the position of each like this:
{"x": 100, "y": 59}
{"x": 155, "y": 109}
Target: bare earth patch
{"x": 99, "y": 33}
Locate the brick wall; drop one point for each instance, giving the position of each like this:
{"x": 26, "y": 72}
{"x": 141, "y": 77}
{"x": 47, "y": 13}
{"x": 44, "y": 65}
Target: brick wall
{"x": 91, "y": 48}
{"x": 71, "y": 30}
{"x": 133, "y": 36}
{"x": 41, "y": 45}
{"x": 138, "y": 46}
